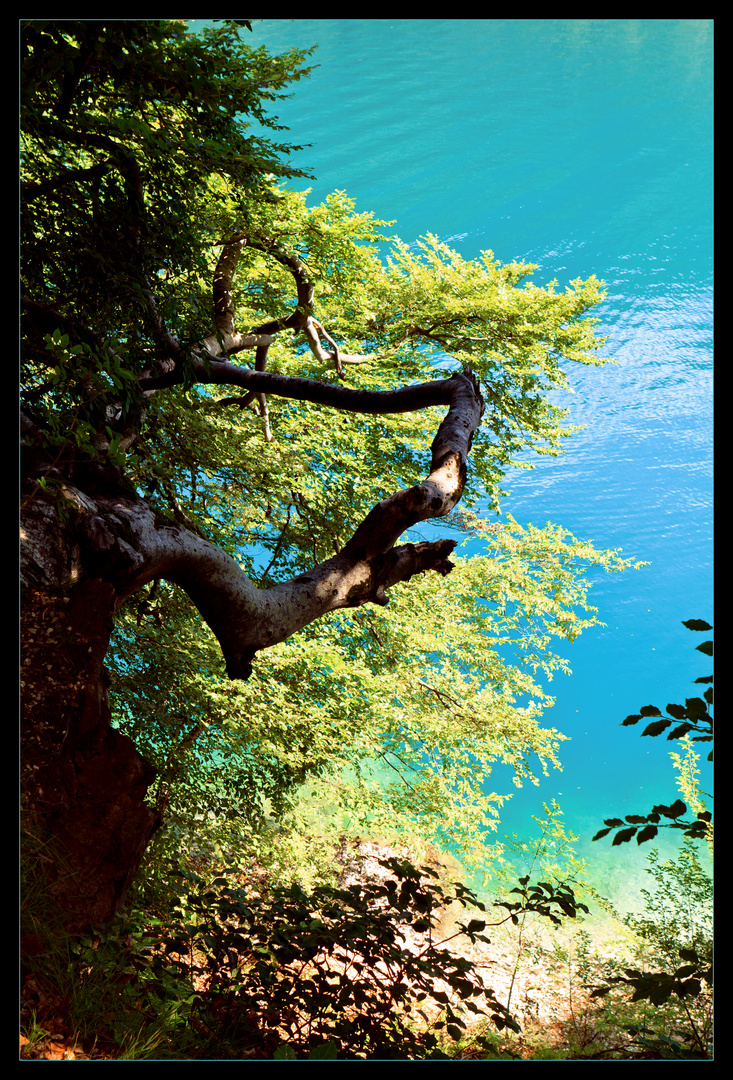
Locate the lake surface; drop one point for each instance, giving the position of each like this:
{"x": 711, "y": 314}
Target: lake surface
{"x": 584, "y": 146}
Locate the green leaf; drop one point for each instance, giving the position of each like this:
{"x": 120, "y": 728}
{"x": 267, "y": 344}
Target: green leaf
{"x": 476, "y": 926}
{"x": 690, "y": 954}
{"x": 284, "y": 1052}
{"x": 679, "y": 732}
{"x": 326, "y": 1052}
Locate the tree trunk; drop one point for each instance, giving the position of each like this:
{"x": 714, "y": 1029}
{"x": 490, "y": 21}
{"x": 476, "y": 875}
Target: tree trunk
{"x": 84, "y": 784}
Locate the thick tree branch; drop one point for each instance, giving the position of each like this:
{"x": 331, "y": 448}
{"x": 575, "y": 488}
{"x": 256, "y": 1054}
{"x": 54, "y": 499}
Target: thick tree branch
{"x": 223, "y": 297}
{"x": 223, "y": 373}
{"x": 121, "y": 540}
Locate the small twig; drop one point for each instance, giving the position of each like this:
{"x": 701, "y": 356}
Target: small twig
{"x": 336, "y": 355}
{"x": 180, "y": 515}
{"x": 440, "y": 694}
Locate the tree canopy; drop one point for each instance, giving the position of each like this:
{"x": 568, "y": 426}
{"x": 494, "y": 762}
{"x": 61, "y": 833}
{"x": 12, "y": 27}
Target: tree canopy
{"x": 248, "y": 406}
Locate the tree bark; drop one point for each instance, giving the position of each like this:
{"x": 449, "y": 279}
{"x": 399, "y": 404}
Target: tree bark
{"x": 83, "y": 783}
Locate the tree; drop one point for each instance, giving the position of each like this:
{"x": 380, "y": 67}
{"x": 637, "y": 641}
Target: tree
{"x": 166, "y": 481}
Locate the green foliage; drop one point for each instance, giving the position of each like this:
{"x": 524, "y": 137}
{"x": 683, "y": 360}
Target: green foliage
{"x": 357, "y": 972}
{"x": 696, "y": 829}
{"x": 678, "y": 910}
{"x": 84, "y": 990}
{"x": 677, "y": 924}
{"x": 696, "y": 718}
{"x": 390, "y": 718}
{"x": 129, "y": 129}
{"x": 139, "y": 161}
{"x": 544, "y": 899}
{"x": 659, "y": 986}
{"x": 550, "y": 852}
{"x": 331, "y": 969}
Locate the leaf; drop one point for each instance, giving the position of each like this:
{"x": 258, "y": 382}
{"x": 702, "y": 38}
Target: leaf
{"x": 696, "y": 709}
{"x": 690, "y": 955}
{"x": 647, "y": 834}
{"x": 657, "y": 996}
{"x": 623, "y": 836}
{"x": 475, "y": 926}
{"x": 656, "y": 728}
{"x": 326, "y": 1052}
{"x": 650, "y": 710}
{"x": 706, "y": 648}
{"x": 633, "y": 719}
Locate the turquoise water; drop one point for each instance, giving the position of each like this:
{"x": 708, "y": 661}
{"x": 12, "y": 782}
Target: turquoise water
{"x": 584, "y": 146}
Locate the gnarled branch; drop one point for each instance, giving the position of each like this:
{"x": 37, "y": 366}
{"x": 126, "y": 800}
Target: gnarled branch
{"x": 123, "y": 541}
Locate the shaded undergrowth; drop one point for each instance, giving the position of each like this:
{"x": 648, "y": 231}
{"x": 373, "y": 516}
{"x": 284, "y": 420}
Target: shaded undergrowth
{"x": 390, "y": 968}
